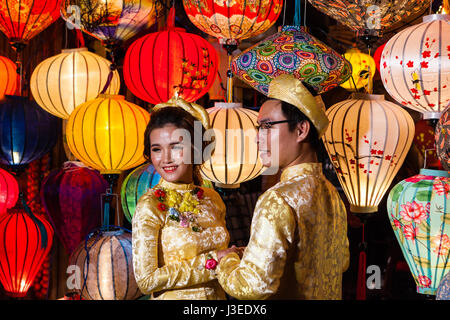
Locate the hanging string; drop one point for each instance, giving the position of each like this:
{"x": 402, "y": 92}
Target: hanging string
{"x": 284, "y": 13}
{"x": 298, "y": 13}
{"x": 304, "y": 14}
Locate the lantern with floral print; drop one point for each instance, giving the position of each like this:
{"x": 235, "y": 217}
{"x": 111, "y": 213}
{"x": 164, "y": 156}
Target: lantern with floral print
{"x": 419, "y": 211}
{"x": 415, "y": 66}
{"x": 442, "y": 139}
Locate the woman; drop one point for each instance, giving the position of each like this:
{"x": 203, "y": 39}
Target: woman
{"x": 178, "y": 226}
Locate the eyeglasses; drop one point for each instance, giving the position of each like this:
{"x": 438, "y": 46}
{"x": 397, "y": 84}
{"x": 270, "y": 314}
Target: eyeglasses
{"x": 267, "y": 125}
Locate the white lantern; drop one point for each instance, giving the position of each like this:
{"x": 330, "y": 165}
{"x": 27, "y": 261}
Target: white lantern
{"x": 415, "y": 66}
{"x": 236, "y": 157}
{"x": 367, "y": 141}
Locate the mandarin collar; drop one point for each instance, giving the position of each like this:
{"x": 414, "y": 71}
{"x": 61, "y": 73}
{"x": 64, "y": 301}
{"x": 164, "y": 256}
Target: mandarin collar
{"x": 176, "y": 186}
{"x": 309, "y": 168}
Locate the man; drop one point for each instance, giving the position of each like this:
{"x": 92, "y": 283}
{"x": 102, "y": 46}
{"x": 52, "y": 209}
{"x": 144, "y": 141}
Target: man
{"x": 298, "y": 247}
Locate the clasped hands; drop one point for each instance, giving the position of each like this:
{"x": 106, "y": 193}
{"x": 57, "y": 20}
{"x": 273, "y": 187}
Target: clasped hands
{"x": 233, "y": 248}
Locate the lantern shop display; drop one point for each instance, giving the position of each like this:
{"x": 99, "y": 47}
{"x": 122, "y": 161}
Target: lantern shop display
{"x": 61, "y": 83}
{"x": 9, "y": 191}
{"x": 8, "y": 77}
{"x": 418, "y": 208}
{"x": 363, "y": 70}
{"x": 367, "y": 141}
{"x": 442, "y": 139}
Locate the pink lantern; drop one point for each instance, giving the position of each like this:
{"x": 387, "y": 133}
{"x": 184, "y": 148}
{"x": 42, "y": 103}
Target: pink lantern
{"x": 9, "y": 191}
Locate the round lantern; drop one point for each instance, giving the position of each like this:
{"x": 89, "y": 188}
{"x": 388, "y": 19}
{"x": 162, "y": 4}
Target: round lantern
{"x": 135, "y": 185}
{"x": 236, "y": 157}
{"x": 24, "y": 19}
{"x": 9, "y": 191}
{"x": 418, "y": 208}
{"x": 8, "y": 77}
{"x": 377, "y": 56}
{"x": 442, "y": 139}
{"x": 363, "y": 70}
{"x": 25, "y": 241}
{"x": 367, "y": 141}
{"x": 415, "y": 68}
{"x": 26, "y": 131}
{"x": 162, "y": 63}
{"x": 231, "y": 21}
{"x": 61, "y": 83}
{"x": 292, "y": 50}
{"x": 105, "y": 262}
{"x": 72, "y": 199}
{"x": 107, "y": 133}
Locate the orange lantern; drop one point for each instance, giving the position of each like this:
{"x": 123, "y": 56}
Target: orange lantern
{"x": 8, "y": 77}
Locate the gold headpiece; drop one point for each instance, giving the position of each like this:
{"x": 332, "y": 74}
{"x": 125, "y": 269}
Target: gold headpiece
{"x": 289, "y": 89}
{"x": 196, "y": 110}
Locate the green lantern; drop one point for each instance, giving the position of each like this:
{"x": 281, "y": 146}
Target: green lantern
{"x": 419, "y": 211}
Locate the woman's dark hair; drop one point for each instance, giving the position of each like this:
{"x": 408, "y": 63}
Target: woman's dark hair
{"x": 183, "y": 120}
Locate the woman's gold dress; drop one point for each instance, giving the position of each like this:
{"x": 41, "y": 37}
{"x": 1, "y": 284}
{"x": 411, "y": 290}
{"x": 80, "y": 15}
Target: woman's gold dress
{"x": 168, "y": 259}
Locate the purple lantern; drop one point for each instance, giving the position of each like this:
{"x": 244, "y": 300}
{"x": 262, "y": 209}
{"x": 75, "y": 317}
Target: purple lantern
{"x": 72, "y": 200}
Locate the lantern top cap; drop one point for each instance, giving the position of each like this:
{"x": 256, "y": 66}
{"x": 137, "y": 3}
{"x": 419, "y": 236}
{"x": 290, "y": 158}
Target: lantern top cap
{"x": 82, "y": 49}
{"x": 436, "y": 17}
{"x": 435, "y": 173}
{"x": 289, "y": 89}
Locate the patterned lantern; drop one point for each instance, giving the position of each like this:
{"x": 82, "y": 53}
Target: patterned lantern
{"x": 231, "y": 21}
{"x": 294, "y": 51}
{"x": 21, "y": 20}
{"x": 424, "y": 140}
{"x": 26, "y": 131}
{"x": 25, "y": 241}
{"x": 9, "y": 191}
{"x": 8, "y": 77}
{"x": 235, "y": 158}
{"x": 418, "y": 208}
{"x": 369, "y": 16}
{"x": 367, "y": 141}
{"x": 61, "y": 83}
{"x": 442, "y": 139}
{"x": 111, "y": 21}
{"x": 72, "y": 200}
{"x": 106, "y": 265}
{"x": 159, "y": 64}
{"x": 415, "y": 66}
{"x": 443, "y": 290}
{"x": 107, "y": 133}
{"x": 363, "y": 70}
{"x": 135, "y": 185}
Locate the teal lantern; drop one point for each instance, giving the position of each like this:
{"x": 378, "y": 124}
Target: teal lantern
{"x": 419, "y": 211}
{"x": 135, "y": 185}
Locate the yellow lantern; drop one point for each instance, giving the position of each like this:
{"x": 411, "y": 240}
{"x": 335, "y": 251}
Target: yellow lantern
{"x": 363, "y": 70}
{"x": 367, "y": 141}
{"x": 61, "y": 83}
{"x": 235, "y": 158}
{"x": 107, "y": 134}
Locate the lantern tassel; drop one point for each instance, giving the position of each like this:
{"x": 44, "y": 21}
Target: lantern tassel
{"x": 80, "y": 38}
{"x": 298, "y": 13}
{"x": 361, "y": 281}
{"x": 38, "y": 222}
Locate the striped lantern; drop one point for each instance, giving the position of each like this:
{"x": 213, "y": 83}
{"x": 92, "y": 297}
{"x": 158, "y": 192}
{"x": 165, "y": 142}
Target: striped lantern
{"x": 418, "y": 209}
{"x": 105, "y": 262}
{"x": 61, "y": 83}
{"x": 8, "y": 77}
{"x": 107, "y": 133}
{"x": 236, "y": 157}
{"x": 135, "y": 185}
{"x": 9, "y": 191}
{"x": 367, "y": 141}
{"x": 442, "y": 139}
{"x": 415, "y": 66}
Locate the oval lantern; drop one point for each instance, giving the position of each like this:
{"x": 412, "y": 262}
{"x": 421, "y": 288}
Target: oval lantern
{"x": 107, "y": 133}
{"x": 26, "y": 131}
{"x": 135, "y": 185}
{"x": 236, "y": 157}
{"x": 415, "y": 66}
{"x": 72, "y": 200}
{"x": 442, "y": 139}
{"x": 231, "y": 21}
{"x": 294, "y": 51}
{"x": 25, "y": 241}
{"x": 106, "y": 264}
{"x": 363, "y": 70}
{"x": 9, "y": 191}
{"x": 367, "y": 141}
{"x": 61, "y": 83}
{"x": 418, "y": 208}
{"x": 8, "y": 77}
{"x": 162, "y": 63}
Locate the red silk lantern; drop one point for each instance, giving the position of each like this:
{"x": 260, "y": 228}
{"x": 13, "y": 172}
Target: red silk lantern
{"x": 25, "y": 241}
{"x": 162, "y": 63}
{"x": 8, "y": 77}
{"x": 9, "y": 191}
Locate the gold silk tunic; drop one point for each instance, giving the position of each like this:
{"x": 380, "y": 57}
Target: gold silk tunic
{"x": 168, "y": 259}
{"x": 298, "y": 247}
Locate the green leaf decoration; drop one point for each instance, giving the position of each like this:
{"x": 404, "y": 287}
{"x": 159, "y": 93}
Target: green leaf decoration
{"x": 423, "y": 184}
{"x": 423, "y": 196}
{"x": 396, "y": 192}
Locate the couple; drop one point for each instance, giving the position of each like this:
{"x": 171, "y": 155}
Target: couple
{"x": 298, "y": 247}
